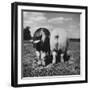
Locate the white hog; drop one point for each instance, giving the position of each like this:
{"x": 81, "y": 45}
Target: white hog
{"x": 58, "y": 43}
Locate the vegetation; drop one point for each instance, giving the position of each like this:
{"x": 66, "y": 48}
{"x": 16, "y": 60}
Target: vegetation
{"x": 30, "y": 67}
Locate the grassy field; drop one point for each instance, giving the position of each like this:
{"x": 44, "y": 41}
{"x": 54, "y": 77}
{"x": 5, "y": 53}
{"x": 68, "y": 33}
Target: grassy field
{"x": 30, "y": 67}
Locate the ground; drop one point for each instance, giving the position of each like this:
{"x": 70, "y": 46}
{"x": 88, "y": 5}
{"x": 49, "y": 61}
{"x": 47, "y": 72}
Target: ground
{"x": 30, "y": 67}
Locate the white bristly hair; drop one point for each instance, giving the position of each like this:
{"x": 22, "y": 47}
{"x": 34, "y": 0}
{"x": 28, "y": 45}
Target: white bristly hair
{"x": 61, "y": 41}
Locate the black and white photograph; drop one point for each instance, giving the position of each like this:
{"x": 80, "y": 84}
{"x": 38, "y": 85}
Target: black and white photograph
{"x": 51, "y": 44}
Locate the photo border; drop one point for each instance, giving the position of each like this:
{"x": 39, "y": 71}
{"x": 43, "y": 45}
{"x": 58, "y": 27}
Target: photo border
{"x": 14, "y": 42}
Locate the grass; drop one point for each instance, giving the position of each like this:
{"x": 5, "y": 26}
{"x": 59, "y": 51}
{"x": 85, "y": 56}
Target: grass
{"x": 30, "y": 67}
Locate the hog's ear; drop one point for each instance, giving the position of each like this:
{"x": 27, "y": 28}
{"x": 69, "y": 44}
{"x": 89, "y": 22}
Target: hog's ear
{"x": 36, "y": 41}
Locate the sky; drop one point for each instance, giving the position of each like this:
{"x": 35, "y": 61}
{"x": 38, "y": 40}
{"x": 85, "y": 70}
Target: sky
{"x": 53, "y": 20}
